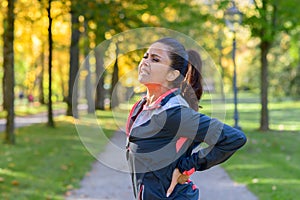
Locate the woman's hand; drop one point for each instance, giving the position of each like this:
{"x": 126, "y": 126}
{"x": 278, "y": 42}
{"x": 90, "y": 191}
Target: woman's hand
{"x": 176, "y": 178}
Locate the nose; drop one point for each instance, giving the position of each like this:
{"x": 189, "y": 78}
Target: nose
{"x": 145, "y": 62}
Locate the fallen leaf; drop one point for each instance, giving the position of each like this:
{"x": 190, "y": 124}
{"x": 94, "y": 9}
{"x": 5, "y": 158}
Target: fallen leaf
{"x": 70, "y": 187}
{"x": 64, "y": 167}
{"x": 15, "y": 183}
{"x": 2, "y": 179}
{"x": 68, "y": 193}
{"x": 11, "y": 164}
{"x": 255, "y": 180}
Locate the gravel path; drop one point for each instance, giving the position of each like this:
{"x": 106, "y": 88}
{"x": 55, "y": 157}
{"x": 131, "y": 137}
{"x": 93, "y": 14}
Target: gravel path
{"x": 102, "y": 182}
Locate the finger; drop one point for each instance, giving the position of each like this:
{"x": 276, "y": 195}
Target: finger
{"x": 172, "y": 186}
{"x": 175, "y": 176}
{"x": 170, "y": 190}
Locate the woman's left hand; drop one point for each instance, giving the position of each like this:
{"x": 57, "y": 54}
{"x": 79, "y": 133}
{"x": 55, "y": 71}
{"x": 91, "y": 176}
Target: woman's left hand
{"x": 176, "y": 178}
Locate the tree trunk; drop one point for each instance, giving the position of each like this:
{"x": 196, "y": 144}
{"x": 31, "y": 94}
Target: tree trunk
{"x": 62, "y": 84}
{"x": 294, "y": 86}
{"x": 74, "y": 66}
{"x": 50, "y": 110}
{"x": 297, "y": 81}
{"x": 220, "y": 51}
{"x": 115, "y": 78}
{"x": 264, "y": 119}
{"x": 88, "y": 84}
{"x": 100, "y": 91}
{"x": 41, "y": 78}
{"x": 9, "y": 78}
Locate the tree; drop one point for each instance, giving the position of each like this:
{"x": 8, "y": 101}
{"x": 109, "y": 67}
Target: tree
{"x": 267, "y": 20}
{"x": 114, "y": 80}
{"x": 100, "y": 91}
{"x": 50, "y": 40}
{"x": 88, "y": 84}
{"x": 74, "y": 63}
{"x": 9, "y": 79}
{"x": 41, "y": 77}
{"x": 112, "y": 17}
{"x": 294, "y": 86}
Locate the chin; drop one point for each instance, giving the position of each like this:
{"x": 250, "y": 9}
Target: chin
{"x": 145, "y": 83}
{"x": 143, "y": 80}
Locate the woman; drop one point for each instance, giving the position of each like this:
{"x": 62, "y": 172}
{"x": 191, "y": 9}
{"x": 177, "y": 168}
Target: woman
{"x": 163, "y": 128}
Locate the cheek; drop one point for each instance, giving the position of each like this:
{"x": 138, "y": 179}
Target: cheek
{"x": 160, "y": 74}
{"x": 160, "y": 70}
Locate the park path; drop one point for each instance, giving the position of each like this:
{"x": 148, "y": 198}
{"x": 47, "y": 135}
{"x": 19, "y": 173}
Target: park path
{"x": 105, "y": 183}
{"x": 30, "y": 119}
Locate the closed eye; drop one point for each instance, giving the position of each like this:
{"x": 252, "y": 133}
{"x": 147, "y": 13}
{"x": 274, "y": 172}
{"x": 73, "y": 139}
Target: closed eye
{"x": 155, "y": 59}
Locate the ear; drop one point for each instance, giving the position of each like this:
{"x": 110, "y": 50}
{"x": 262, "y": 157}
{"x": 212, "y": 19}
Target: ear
{"x": 172, "y": 75}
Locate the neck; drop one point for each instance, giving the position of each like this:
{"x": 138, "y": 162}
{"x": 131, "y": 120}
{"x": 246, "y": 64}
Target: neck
{"x": 154, "y": 92}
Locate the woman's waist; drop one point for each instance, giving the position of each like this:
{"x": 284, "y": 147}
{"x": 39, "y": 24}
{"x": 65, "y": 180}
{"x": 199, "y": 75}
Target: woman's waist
{"x": 156, "y": 188}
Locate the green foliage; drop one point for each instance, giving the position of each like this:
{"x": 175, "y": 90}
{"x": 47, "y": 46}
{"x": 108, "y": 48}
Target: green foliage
{"x": 274, "y": 20}
{"x": 269, "y": 17}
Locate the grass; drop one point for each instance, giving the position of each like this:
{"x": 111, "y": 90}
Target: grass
{"x": 47, "y": 162}
{"x": 269, "y": 163}
{"x": 283, "y": 115}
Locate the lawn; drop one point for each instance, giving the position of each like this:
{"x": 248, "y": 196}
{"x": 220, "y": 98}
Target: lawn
{"x": 269, "y": 163}
{"x": 47, "y": 162}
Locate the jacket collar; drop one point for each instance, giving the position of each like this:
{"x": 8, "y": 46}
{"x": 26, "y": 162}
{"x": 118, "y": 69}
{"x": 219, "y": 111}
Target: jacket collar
{"x": 163, "y": 99}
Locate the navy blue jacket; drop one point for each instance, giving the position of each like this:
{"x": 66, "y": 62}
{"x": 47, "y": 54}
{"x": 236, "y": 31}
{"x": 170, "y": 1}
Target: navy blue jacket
{"x": 164, "y": 136}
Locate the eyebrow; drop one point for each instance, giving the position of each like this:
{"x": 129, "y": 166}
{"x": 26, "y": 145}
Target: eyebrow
{"x": 153, "y": 54}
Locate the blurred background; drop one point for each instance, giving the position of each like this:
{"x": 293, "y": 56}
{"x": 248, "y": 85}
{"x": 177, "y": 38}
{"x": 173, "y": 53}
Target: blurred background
{"x": 44, "y": 44}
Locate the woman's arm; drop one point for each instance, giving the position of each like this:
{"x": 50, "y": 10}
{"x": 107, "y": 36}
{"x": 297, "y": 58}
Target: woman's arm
{"x": 222, "y": 141}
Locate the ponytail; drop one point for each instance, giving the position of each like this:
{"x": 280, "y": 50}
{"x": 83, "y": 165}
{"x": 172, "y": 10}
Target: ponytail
{"x": 191, "y": 86}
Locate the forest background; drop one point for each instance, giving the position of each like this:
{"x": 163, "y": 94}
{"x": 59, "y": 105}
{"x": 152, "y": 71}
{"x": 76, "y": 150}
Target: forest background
{"x": 45, "y": 44}
{"x": 54, "y": 37}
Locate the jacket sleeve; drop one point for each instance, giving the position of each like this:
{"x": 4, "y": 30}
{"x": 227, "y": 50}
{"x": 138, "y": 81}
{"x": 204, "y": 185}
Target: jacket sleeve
{"x": 222, "y": 141}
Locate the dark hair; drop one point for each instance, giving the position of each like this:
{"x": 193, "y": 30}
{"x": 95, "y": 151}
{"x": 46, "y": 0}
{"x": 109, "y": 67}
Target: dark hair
{"x": 189, "y": 64}
{"x": 193, "y": 76}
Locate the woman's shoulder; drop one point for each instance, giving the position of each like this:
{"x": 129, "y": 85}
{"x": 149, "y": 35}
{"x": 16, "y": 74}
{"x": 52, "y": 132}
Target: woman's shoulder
{"x": 182, "y": 113}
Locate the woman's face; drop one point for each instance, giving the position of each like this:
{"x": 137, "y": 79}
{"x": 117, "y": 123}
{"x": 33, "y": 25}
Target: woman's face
{"x": 154, "y": 68}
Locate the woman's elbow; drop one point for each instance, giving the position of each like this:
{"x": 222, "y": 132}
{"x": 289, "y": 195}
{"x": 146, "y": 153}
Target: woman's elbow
{"x": 242, "y": 139}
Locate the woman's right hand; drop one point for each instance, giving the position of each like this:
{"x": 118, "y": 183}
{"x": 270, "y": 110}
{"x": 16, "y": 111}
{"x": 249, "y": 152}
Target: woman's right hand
{"x": 177, "y": 177}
